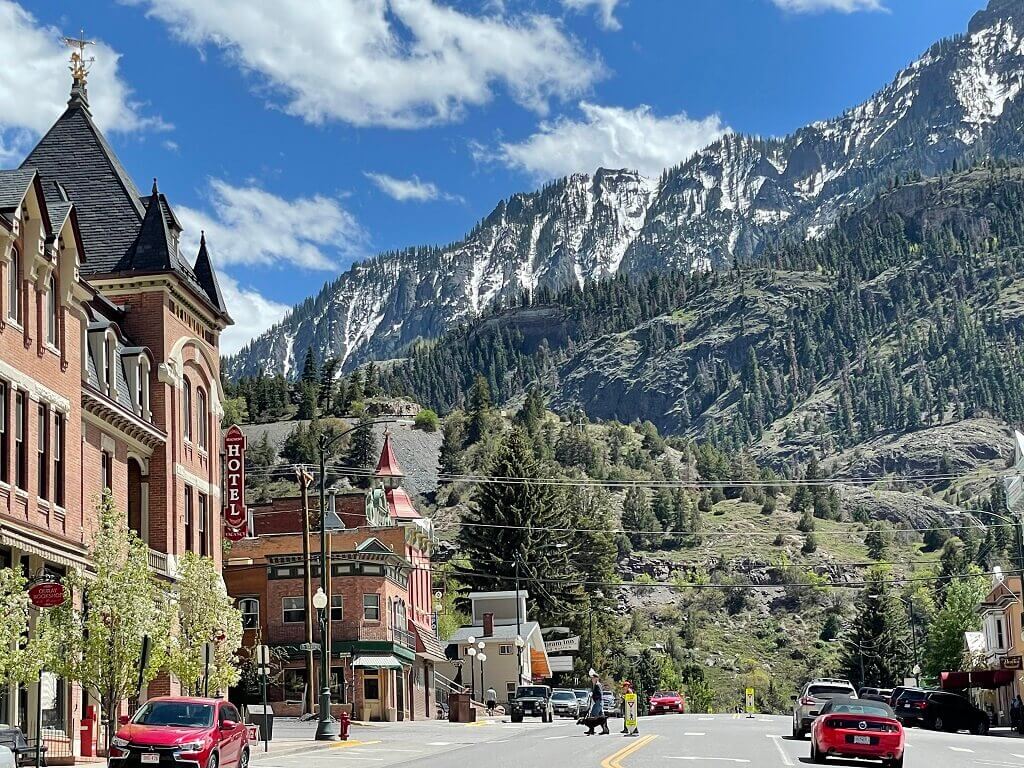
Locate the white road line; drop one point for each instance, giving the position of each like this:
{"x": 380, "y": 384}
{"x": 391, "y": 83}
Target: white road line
{"x": 702, "y": 759}
{"x": 553, "y": 738}
{"x": 705, "y": 718}
{"x": 694, "y": 733}
{"x": 777, "y": 741}
{"x": 439, "y": 744}
{"x": 961, "y": 749}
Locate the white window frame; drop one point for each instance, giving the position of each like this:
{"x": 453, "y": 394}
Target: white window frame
{"x": 505, "y": 649}
{"x": 337, "y": 607}
{"x": 373, "y": 606}
{"x": 288, "y": 606}
{"x": 246, "y": 606}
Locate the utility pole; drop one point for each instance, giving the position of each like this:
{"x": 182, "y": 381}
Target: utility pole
{"x": 307, "y": 590}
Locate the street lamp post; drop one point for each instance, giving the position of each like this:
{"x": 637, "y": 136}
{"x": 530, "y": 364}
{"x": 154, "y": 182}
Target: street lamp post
{"x": 326, "y": 728}
{"x": 519, "y": 630}
{"x": 483, "y": 687}
{"x": 472, "y": 667}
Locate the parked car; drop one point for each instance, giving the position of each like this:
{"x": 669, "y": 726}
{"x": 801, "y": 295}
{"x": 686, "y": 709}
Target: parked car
{"x": 583, "y": 697}
{"x": 6, "y": 757}
{"x": 899, "y": 690}
{"x": 947, "y": 711}
{"x": 531, "y": 701}
{"x": 875, "y": 694}
{"x": 861, "y": 728}
{"x": 666, "y": 701}
{"x": 172, "y": 730}
{"x": 612, "y": 706}
{"x": 807, "y": 706}
{"x": 909, "y": 705}
{"x": 564, "y": 703}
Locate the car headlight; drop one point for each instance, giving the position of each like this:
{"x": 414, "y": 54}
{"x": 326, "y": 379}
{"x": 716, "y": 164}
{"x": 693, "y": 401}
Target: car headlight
{"x": 117, "y": 741}
{"x": 192, "y": 746}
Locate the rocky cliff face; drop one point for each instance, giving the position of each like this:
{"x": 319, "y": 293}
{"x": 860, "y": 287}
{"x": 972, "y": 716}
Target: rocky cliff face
{"x": 958, "y": 102}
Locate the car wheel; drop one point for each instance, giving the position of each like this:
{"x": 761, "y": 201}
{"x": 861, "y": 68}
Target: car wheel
{"x": 816, "y": 756}
{"x": 898, "y": 763}
{"x": 980, "y": 728}
{"x": 213, "y": 760}
{"x": 797, "y": 733}
{"x": 243, "y": 761}
{"x": 517, "y": 718}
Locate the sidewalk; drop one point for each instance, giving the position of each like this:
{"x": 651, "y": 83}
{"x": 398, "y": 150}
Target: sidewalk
{"x": 293, "y": 736}
{"x": 1005, "y": 731}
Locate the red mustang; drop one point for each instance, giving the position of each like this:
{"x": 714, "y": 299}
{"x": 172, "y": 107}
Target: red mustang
{"x": 857, "y": 728}
{"x": 666, "y": 701}
{"x": 183, "y": 733}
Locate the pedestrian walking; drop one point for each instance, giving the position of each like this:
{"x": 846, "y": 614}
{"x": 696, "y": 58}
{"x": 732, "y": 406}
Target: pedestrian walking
{"x": 596, "y": 715}
{"x": 491, "y": 697}
{"x": 1016, "y": 710}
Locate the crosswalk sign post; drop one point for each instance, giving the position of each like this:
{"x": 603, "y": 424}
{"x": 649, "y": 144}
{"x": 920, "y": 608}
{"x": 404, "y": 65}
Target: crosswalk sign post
{"x": 749, "y": 702}
{"x": 631, "y": 714}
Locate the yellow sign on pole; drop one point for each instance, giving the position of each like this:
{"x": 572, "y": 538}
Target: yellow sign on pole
{"x": 631, "y": 712}
{"x": 750, "y": 701}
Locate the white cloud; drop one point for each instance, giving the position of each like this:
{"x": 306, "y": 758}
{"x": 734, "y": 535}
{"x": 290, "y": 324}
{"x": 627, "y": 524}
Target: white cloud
{"x": 605, "y": 10}
{"x": 248, "y": 225}
{"x": 397, "y": 63}
{"x": 252, "y": 312}
{"x": 35, "y": 83}
{"x": 608, "y": 137}
{"x": 843, "y": 6}
{"x": 409, "y": 189}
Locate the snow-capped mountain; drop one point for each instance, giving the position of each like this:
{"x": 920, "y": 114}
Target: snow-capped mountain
{"x": 959, "y": 102}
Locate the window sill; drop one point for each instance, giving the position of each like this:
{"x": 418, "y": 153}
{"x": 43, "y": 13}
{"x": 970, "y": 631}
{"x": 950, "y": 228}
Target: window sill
{"x": 21, "y": 493}
{"x": 52, "y": 349}
{"x": 15, "y": 324}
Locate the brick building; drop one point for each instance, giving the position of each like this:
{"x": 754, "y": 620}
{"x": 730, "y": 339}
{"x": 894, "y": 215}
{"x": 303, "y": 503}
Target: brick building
{"x": 109, "y": 375}
{"x": 383, "y": 644}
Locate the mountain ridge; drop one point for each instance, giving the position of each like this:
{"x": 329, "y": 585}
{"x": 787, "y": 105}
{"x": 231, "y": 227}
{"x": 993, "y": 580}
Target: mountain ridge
{"x": 955, "y": 103}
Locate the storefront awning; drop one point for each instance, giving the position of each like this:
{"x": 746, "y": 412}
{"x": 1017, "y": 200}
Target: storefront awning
{"x": 976, "y": 678}
{"x": 377, "y": 662}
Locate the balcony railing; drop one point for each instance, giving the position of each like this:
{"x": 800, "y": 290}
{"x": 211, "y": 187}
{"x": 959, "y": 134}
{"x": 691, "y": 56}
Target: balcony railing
{"x": 388, "y": 635}
{"x": 161, "y": 563}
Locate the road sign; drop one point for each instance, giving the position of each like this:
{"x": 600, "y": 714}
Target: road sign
{"x": 309, "y": 647}
{"x": 630, "y": 711}
{"x": 749, "y": 696}
{"x": 263, "y": 655}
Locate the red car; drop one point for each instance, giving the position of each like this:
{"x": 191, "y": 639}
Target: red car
{"x": 666, "y": 701}
{"x": 181, "y": 732}
{"x": 857, "y": 728}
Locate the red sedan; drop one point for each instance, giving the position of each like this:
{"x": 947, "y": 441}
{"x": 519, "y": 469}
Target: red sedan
{"x": 180, "y": 732}
{"x": 857, "y": 728}
{"x": 666, "y": 701}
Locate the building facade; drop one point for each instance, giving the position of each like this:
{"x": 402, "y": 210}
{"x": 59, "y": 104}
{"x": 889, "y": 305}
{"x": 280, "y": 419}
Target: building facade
{"x": 383, "y": 644}
{"x": 109, "y": 378}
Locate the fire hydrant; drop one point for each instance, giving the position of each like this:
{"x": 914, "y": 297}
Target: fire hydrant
{"x": 345, "y": 720}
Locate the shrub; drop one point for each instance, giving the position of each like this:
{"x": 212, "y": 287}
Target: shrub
{"x": 427, "y": 421}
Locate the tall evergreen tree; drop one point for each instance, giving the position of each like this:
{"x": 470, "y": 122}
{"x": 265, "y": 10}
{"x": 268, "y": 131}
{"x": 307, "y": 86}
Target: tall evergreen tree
{"x": 363, "y": 449}
{"x": 876, "y": 639}
{"x": 309, "y": 367}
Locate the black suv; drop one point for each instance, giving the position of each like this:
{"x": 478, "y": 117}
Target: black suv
{"x": 942, "y": 711}
{"x": 531, "y": 701}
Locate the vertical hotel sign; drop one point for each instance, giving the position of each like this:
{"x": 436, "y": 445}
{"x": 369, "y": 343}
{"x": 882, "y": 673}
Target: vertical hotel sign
{"x": 235, "y": 516}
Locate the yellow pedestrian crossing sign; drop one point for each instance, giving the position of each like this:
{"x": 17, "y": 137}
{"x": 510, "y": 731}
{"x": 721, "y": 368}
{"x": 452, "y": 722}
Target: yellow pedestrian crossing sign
{"x": 749, "y": 698}
{"x": 631, "y": 711}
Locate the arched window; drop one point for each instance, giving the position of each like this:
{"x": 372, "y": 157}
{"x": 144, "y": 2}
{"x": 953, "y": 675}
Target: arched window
{"x": 203, "y": 416}
{"x": 186, "y": 415}
{"x": 52, "y": 308}
{"x": 14, "y": 287}
{"x": 250, "y": 608}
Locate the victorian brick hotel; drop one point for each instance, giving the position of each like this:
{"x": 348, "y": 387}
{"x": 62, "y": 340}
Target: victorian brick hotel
{"x": 109, "y": 378}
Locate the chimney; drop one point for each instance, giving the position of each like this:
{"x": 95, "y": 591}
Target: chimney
{"x": 488, "y": 624}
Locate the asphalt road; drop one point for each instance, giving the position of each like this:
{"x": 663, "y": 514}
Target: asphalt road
{"x": 701, "y": 741}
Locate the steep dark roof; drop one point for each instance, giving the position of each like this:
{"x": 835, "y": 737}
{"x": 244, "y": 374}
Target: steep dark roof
{"x": 76, "y": 154}
{"x": 207, "y": 277}
{"x": 14, "y": 184}
{"x": 154, "y": 250}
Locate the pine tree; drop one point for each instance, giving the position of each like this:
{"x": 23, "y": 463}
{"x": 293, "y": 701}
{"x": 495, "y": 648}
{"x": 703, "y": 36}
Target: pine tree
{"x": 531, "y": 525}
{"x": 453, "y": 438}
{"x": 363, "y": 450}
{"x": 309, "y": 367}
{"x": 479, "y": 410}
{"x": 876, "y": 638}
{"x": 637, "y": 515}
{"x": 878, "y": 539}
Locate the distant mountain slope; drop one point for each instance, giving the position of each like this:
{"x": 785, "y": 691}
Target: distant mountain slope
{"x": 957, "y": 103}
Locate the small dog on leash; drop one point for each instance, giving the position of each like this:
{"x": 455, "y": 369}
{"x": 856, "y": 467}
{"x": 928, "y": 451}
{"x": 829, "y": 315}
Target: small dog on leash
{"x": 593, "y": 722}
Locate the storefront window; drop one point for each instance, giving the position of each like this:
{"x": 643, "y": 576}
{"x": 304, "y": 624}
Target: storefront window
{"x": 294, "y": 684}
{"x": 338, "y": 685}
{"x": 52, "y": 693}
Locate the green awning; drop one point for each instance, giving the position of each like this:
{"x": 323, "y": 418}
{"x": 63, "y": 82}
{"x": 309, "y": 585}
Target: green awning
{"x": 377, "y": 662}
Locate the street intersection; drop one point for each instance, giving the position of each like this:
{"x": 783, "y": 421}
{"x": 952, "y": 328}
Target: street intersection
{"x": 700, "y": 741}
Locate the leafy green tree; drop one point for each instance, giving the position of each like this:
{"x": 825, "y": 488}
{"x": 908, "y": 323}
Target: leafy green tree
{"x": 235, "y": 412}
{"x": 102, "y": 647}
{"x": 944, "y": 648}
{"x": 202, "y": 612}
{"x": 426, "y": 420}
{"x": 14, "y": 624}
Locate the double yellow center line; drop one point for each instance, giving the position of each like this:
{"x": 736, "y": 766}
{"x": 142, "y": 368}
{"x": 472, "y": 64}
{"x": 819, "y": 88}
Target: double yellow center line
{"x": 615, "y": 761}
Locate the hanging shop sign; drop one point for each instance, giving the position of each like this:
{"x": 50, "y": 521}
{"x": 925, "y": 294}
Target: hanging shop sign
{"x": 234, "y": 483}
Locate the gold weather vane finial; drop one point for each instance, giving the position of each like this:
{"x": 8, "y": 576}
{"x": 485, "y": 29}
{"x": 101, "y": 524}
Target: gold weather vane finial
{"x": 79, "y": 63}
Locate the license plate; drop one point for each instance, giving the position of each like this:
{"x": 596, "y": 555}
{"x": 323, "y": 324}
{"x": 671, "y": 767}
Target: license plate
{"x": 861, "y": 739}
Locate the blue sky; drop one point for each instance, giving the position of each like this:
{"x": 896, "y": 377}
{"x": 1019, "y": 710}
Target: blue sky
{"x": 304, "y": 134}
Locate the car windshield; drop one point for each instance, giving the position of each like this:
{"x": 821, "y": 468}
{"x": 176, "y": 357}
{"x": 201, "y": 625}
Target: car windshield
{"x": 531, "y": 692}
{"x": 563, "y": 696}
{"x": 664, "y": 695}
{"x": 876, "y": 709}
{"x": 828, "y": 691}
{"x": 582, "y": 695}
{"x": 176, "y": 714}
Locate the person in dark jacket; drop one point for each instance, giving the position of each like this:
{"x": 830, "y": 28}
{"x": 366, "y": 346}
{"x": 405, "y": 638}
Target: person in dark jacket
{"x": 596, "y": 714}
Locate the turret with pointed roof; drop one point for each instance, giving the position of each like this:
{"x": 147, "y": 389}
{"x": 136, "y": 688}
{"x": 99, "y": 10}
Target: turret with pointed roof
{"x": 207, "y": 277}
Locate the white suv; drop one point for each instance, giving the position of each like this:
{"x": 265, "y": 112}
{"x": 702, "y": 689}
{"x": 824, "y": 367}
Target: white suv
{"x": 807, "y": 706}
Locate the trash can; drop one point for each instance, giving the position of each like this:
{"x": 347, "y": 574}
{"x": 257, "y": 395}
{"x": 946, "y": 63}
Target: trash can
{"x": 263, "y": 716}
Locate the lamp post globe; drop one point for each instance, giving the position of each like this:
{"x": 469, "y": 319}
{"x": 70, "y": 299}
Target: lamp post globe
{"x": 481, "y": 645}
{"x": 320, "y": 599}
